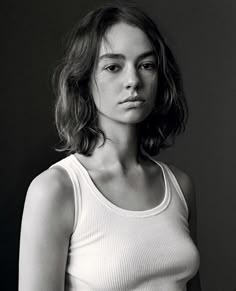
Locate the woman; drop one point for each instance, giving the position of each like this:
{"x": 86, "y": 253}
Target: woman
{"x": 109, "y": 216}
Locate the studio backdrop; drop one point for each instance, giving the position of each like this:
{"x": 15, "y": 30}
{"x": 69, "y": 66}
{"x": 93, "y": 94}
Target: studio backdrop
{"x": 200, "y": 34}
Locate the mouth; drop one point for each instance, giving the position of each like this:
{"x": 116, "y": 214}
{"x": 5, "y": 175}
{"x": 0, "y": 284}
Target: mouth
{"x": 133, "y": 99}
{"x": 133, "y": 102}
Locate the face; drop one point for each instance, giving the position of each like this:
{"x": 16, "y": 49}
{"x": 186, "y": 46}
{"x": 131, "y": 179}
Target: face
{"x": 124, "y": 81}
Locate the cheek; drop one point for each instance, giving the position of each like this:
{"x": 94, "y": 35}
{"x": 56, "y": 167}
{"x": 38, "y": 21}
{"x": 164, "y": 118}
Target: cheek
{"x": 150, "y": 80}
{"x": 151, "y": 92}
{"x": 97, "y": 89}
{"x": 154, "y": 85}
{"x": 103, "y": 94}
{"x": 151, "y": 86}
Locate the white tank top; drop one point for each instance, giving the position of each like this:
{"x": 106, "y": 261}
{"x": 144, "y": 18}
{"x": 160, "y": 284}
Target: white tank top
{"x": 114, "y": 249}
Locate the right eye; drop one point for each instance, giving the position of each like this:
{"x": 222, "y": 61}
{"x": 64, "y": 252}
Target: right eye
{"x": 112, "y": 68}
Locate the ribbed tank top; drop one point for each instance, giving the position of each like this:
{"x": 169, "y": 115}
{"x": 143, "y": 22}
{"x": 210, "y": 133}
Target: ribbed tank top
{"x": 114, "y": 249}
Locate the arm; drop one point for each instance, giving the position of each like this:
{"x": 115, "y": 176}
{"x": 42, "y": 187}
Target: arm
{"x": 46, "y": 228}
{"x": 187, "y": 187}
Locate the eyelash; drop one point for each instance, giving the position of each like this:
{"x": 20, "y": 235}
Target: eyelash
{"x": 151, "y": 65}
{"x": 108, "y": 68}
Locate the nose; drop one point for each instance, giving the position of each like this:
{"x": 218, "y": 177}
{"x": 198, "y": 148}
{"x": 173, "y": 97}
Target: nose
{"x": 132, "y": 79}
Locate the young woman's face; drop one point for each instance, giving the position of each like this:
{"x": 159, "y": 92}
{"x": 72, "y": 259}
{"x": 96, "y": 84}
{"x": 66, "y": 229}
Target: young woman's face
{"x": 124, "y": 82}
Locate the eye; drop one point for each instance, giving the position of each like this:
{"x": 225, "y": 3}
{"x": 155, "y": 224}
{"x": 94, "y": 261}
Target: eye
{"x": 112, "y": 68}
{"x": 148, "y": 66}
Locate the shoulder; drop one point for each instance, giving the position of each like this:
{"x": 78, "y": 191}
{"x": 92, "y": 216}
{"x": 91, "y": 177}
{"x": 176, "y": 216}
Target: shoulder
{"x": 53, "y": 184}
{"x": 186, "y": 184}
{"x": 46, "y": 227}
{"x": 50, "y": 195}
{"x": 55, "y": 178}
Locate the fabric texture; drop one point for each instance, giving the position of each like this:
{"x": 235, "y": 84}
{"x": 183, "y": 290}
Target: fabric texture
{"x": 114, "y": 249}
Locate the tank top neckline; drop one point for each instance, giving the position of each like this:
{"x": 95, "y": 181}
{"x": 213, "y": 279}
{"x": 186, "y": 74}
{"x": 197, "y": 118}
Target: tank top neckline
{"x": 122, "y": 211}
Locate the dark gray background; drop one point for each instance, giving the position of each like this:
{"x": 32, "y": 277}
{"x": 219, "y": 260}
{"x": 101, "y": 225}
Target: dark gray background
{"x": 200, "y": 34}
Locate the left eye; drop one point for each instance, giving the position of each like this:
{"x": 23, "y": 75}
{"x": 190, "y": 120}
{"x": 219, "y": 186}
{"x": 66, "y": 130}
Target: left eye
{"x": 147, "y": 66}
{"x": 112, "y": 68}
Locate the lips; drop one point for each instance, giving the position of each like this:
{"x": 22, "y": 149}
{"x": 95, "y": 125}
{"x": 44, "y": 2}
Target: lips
{"x": 133, "y": 99}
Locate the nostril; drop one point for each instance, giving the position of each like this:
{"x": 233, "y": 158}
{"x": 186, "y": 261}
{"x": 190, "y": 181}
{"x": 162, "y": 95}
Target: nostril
{"x": 134, "y": 83}
{"x": 134, "y": 87}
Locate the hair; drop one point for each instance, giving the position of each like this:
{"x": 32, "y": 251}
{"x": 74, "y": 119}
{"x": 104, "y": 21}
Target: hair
{"x": 76, "y": 115}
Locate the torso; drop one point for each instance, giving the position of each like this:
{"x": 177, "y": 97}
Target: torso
{"x": 140, "y": 189}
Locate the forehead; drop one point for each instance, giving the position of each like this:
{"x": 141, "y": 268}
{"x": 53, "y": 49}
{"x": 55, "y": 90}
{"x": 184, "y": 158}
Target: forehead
{"x": 125, "y": 39}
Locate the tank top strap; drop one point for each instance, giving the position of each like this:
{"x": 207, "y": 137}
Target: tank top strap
{"x": 173, "y": 180}
{"x": 67, "y": 165}
{"x": 177, "y": 186}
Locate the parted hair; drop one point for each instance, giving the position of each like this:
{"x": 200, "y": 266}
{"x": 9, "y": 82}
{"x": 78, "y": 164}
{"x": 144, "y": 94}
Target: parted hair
{"x": 76, "y": 116}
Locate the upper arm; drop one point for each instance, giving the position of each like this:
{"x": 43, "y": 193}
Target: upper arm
{"x": 187, "y": 187}
{"x": 45, "y": 232}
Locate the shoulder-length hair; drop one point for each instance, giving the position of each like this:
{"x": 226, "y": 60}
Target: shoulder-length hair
{"x": 76, "y": 115}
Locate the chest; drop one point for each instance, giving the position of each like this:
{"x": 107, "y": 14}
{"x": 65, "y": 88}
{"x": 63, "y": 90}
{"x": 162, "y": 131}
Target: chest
{"x": 140, "y": 252}
{"x": 131, "y": 192}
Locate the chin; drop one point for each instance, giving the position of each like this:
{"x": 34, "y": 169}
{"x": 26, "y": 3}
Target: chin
{"x": 135, "y": 117}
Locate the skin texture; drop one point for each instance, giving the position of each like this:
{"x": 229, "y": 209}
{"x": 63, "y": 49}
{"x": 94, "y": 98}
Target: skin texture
{"x": 49, "y": 208}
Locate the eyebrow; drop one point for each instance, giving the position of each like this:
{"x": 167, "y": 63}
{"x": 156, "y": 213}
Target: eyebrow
{"x": 120, "y": 56}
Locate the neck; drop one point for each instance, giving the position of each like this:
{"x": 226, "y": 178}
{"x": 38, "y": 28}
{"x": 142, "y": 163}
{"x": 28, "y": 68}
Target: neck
{"x": 120, "y": 147}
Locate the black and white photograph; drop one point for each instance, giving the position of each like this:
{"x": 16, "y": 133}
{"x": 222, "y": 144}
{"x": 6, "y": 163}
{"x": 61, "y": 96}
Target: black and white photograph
{"x": 118, "y": 145}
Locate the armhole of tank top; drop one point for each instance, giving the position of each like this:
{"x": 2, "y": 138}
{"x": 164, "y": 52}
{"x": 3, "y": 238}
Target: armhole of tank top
{"x": 76, "y": 192}
{"x": 177, "y": 187}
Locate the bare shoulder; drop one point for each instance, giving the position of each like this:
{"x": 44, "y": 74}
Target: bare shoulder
{"x": 51, "y": 194}
{"x": 46, "y": 227}
{"x": 53, "y": 180}
{"x": 186, "y": 184}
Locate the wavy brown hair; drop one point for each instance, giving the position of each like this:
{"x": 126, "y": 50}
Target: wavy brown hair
{"x": 75, "y": 111}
